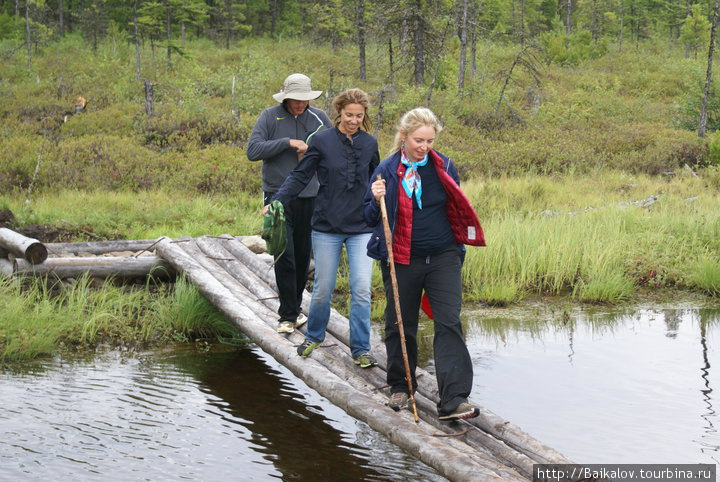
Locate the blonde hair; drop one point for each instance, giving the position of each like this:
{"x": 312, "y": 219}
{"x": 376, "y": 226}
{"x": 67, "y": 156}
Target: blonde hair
{"x": 352, "y": 96}
{"x": 411, "y": 121}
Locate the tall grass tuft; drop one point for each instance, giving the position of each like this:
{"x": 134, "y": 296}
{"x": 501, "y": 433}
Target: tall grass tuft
{"x": 707, "y": 275}
{"x": 39, "y": 318}
{"x": 188, "y": 316}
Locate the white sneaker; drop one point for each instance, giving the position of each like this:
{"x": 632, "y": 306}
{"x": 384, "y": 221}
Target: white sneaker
{"x": 285, "y": 327}
{"x": 301, "y": 320}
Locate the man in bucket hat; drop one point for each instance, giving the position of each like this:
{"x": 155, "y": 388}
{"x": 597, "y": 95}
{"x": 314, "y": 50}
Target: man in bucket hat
{"x": 280, "y": 138}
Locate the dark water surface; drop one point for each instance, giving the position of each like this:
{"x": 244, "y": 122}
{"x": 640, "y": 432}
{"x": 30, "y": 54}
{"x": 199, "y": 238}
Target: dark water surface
{"x": 233, "y": 414}
{"x": 622, "y": 387}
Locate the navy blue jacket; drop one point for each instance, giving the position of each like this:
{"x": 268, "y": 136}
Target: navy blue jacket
{"x": 387, "y": 169}
{"x": 343, "y": 169}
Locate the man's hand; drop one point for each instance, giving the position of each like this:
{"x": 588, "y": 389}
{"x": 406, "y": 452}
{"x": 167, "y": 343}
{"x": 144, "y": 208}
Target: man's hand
{"x": 265, "y": 209}
{"x": 298, "y": 145}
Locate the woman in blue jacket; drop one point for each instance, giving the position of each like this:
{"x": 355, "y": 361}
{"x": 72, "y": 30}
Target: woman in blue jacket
{"x": 430, "y": 219}
{"x": 343, "y": 159}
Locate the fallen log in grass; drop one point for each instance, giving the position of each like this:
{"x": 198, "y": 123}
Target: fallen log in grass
{"x": 100, "y": 247}
{"x": 97, "y": 267}
{"x": 23, "y": 247}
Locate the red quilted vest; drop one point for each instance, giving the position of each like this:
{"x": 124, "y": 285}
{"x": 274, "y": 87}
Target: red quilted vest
{"x": 463, "y": 220}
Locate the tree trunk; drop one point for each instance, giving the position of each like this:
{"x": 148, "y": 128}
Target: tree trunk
{"x": 361, "y": 38}
{"x": 419, "y": 44}
{"x": 167, "y": 28}
{"x": 61, "y": 18}
{"x": 687, "y": 14}
{"x": 182, "y": 34}
{"x": 27, "y": 32}
{"x": 149, "y": 100}
{"x": 391, "y": 66}
{"x": 22, "y": 246}
{"x": 379, "y": 117}
{"x": 568, "y": 11}
{"x": 137, "y": 42}
{"x": 473, "y": 60}
{"x": 17, "y": 8}
{"x": 273, "y": 16}
{"x": 522, "y": 23}
{"x": 463, "y": 47}
{"x": 595, "y": 21}
{"x": 622, "y": 24}
{"x": 702, "y": 124}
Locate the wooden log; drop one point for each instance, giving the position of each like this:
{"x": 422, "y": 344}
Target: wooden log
{"x": 451, "y": 462}
{"x": 478, "y": 439}
{"x": 503, "y": 430}
{"x": 100, "y": 247}
{"x": 6, "y": 267}
{"x": 23, "y": 247}
{"x": 100, "y": 267}
{"x": 337, "y": 325}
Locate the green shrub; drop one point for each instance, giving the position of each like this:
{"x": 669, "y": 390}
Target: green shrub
{"x": 104, "y": 162}
{"x": 573, "y": 49}
{"x": 714, "y": 148}
{"x": 20, "y": 158}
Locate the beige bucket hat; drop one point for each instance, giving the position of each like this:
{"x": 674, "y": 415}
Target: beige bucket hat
{"x": 297, "y": 87}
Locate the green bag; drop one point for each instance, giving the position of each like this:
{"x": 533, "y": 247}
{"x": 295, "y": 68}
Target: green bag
{"x": 274, "y": 232}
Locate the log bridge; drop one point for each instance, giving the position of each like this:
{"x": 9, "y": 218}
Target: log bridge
{"x": 243, "y": 288}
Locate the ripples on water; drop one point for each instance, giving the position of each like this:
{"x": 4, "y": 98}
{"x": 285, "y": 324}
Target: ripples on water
{"x": 606, "y": 388}
{"x": 228, "y": 415}
{"x": 629, "y": 388}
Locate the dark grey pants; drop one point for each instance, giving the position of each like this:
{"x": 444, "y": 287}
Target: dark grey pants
{"x": 439, "y": 276}
{"x": 291, "y": 270}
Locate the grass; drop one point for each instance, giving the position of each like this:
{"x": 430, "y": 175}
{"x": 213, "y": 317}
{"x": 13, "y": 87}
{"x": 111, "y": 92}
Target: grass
{"x": 142, "y": 214}
{"x": 546, "y": 236}
{"x": 40, "y": 319}
{"x": 553, "y": 186}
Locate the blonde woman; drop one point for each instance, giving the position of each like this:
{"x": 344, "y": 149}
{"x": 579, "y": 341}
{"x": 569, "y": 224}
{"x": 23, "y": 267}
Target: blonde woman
{"x": 431, "y": 221}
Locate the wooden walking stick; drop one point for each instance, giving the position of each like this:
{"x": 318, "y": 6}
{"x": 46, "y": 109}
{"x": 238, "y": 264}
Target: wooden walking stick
{"x": 396, "y": 298}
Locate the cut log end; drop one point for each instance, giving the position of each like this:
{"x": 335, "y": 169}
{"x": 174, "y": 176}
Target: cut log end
{"x": 36, "y": 253}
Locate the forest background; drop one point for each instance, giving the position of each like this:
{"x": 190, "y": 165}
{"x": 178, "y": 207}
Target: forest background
{"x": 585, "y": 131}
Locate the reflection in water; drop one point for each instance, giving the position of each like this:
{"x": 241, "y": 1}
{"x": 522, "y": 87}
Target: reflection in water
{"x": 222, "y": 415}
{"x": 629, "y": 392}
{"x": 709, "y": 416}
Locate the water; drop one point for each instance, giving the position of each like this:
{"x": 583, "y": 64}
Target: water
{"x": 623, "y": 387}
{"x": 227, "y": 414}
{"x": 606, "y": 388}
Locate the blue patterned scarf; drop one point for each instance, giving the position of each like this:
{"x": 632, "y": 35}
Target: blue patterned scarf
{"x": 411, "y": 181}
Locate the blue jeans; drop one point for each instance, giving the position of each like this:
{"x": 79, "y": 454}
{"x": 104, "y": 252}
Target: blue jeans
{"x": 328, "y": 248}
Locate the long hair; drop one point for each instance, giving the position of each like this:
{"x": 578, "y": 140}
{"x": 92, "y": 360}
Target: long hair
{"x": 352, "y": 96}
{"x": 410, "y": 121}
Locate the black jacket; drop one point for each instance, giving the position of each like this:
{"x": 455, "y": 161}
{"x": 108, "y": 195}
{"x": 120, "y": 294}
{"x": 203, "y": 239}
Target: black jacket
{"x": 343, "y": 169}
